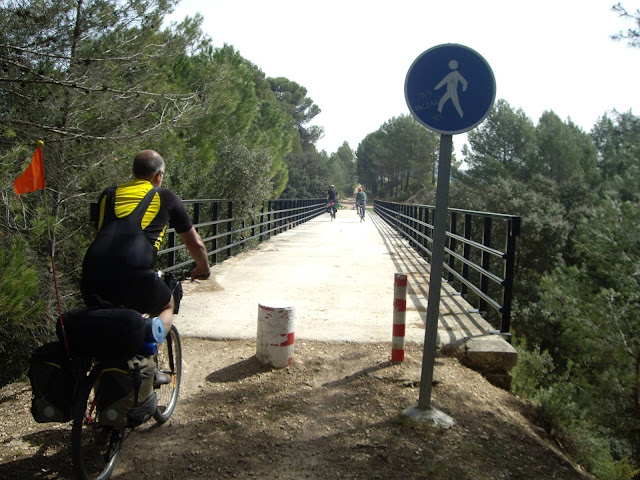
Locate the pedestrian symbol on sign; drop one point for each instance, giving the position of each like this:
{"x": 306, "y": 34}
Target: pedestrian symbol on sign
{"x": 452, "y": 80}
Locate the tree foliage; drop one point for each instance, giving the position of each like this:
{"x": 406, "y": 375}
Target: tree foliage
{"x": 98, "y": 81}
{"x": 398, "y": 159}
{"x": 309, "y": 174}
{"x": 576, "y": 291}
{"x": 504, "y": 146}
{"x": 21, "y": 310}
{"x": 300, "y": 108}
{"x": 632, "y": 34}
{"x": 618, "y": 144}
{"x": 343, "y": 170}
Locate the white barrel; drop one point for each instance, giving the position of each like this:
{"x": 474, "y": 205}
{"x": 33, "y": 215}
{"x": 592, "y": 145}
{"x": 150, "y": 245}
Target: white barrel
{"x": 276, "y": 328}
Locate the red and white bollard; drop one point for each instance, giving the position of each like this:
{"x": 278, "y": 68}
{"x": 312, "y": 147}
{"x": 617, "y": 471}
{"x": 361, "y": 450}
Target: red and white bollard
{"x": 276, "y": 332}
{"x": 399, "y": 317}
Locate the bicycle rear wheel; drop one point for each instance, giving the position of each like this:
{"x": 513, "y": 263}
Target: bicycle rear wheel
{"x": 169, "y": 361}
{"x": 95, "y": 448}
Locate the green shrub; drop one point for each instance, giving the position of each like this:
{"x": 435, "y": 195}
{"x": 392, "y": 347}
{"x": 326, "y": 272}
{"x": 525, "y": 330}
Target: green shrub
{"x": 620, "y": 470}
{"x": 573, "y": 429}
{"x": 532, "y": 368}
{"x": 23, "y": 324}
{"x": 564, "y": 417}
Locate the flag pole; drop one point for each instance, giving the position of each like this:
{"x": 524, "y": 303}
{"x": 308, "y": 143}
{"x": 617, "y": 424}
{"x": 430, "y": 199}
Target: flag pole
{"x": 53, "y": 264}
{"x": 30, "y": 180}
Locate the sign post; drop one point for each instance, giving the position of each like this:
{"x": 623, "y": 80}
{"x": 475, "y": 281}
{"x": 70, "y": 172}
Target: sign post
{"x": 449, "y": 89}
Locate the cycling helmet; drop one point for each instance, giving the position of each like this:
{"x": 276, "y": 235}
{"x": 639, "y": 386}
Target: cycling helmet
{"x": 330, "y": 186}
{"x": 359, "y": 189}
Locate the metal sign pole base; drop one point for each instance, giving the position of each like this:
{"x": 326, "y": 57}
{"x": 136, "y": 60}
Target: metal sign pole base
{"x": 430, "y": 415}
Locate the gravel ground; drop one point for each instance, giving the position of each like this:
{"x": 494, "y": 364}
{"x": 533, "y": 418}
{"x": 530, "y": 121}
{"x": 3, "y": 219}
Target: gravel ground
{"x": 336, "y": 412}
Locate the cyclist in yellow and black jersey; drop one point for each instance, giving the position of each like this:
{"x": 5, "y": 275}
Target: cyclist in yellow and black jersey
{"x": 118, "y": 268}
{"x": 165, "y": 206}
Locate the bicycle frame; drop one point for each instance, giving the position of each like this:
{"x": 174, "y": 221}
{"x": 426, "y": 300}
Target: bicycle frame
{"x": 332, "y": 209}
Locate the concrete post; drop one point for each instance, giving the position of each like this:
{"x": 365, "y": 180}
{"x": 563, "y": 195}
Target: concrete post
{"x": 399, "y": 317}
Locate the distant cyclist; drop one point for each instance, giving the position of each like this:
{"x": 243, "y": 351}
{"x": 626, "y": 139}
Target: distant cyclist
{"x": 332, "y": 196}
{"x": 361, "y": 199}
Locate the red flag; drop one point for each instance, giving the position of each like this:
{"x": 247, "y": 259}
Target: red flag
{"x": 32, "y": 178}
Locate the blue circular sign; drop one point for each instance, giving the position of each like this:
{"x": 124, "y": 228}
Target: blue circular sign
{"x": 450, "y": 89}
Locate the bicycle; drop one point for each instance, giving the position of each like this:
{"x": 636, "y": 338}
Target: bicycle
{"x": 96, "y": 448}
{"x": 360, "y": 208}
{"x": 332, "y": 210}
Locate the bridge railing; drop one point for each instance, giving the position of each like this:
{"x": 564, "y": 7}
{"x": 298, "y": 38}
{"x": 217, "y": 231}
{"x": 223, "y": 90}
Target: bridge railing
{"x": 228, "y": 227}
{"x": 473, "y": 239}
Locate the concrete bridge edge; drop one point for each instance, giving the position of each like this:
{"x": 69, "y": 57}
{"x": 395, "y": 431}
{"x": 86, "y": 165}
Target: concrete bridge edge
{"x": 491, "y": 355}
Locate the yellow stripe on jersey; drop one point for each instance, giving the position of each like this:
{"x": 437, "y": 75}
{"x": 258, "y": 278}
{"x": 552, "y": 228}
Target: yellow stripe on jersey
{"x": 128, "y": 196}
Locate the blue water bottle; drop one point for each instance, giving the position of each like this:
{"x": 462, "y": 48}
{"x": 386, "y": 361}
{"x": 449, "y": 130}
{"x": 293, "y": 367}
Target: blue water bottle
{"x": 154, "y": 330}
{"x": 149, "y": 348}
{"x": 153, "y": 334}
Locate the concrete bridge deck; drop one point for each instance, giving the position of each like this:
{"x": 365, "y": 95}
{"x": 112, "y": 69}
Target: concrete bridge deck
{"x": 338, "y": 275}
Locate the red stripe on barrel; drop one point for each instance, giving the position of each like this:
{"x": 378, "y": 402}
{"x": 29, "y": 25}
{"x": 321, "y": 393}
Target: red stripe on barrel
{"x": 287, "y": 342}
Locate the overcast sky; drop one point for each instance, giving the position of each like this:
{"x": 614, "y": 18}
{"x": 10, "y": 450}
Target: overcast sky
{"x": 352, "y": 56}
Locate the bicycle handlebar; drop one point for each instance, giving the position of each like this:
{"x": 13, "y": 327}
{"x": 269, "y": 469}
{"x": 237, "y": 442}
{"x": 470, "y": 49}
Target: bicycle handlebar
{"x": 182, "y": 275}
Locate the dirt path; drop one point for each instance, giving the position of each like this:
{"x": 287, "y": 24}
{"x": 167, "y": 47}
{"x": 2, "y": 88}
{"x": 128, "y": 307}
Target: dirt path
{"x": 335, "y": 413}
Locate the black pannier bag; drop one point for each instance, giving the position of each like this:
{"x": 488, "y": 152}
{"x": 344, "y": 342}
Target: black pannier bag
{"x": 125, "y": 393}
{"x": 103, "y": 332}
{"x": 52, "y": 384}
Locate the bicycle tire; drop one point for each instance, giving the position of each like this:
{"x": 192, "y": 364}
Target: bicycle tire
{"x": 169, "y": 360}
{"x": 95, "y": 448}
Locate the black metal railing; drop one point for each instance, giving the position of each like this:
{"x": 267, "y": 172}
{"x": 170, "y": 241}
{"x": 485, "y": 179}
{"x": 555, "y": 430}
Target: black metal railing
{"x": 471, "y": 243}
{"x": 230, "y": 226}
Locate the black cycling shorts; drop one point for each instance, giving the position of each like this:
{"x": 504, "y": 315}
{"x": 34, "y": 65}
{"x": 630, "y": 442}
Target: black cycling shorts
{"x": 141, "y": 290}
